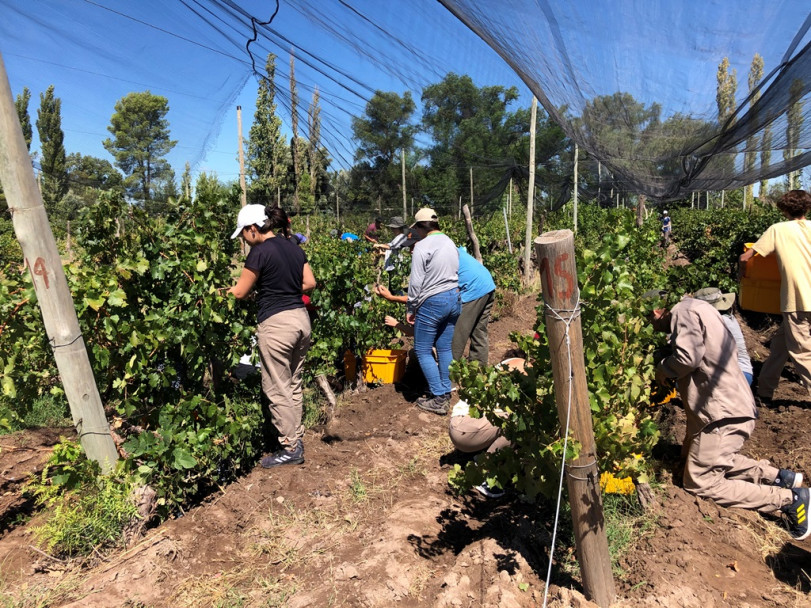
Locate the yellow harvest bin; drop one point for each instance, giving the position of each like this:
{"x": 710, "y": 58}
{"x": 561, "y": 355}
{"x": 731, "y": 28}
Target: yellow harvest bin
{"x": 760, "y": 285}
{"x": 384, "y": 366}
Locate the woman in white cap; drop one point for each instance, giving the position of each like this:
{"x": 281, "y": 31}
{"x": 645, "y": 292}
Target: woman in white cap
{"x": 277, "y": 269}
{"x": 433, "y": 307}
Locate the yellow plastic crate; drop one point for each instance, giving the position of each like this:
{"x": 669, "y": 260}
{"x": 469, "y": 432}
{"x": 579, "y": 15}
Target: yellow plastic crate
{"x": 384, "y": 366}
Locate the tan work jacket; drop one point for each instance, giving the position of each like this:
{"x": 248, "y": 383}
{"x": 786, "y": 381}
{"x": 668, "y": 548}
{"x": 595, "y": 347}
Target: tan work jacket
{"x": 705, "y": 365}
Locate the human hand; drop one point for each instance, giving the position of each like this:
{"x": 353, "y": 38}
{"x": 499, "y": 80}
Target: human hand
{"x": 410, "y": 318}
{"x": 382, "y": 291}
{"x": 391, "y": 321}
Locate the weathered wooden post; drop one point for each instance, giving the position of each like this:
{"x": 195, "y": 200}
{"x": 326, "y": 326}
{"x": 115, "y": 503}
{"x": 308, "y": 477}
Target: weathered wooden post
{"x": 471, "y": 233}
{"x": 561, "y": 294}
{"x": 42, "y": 259}
{"x": 530, "y": 193}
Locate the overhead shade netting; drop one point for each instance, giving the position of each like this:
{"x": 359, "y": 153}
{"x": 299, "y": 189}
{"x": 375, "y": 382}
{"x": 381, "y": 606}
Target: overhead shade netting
{"x": 634, "y": 83}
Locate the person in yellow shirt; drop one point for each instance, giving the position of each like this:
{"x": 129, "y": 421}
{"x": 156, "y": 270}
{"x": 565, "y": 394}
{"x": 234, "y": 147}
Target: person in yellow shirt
{"x": 791, "y": 242}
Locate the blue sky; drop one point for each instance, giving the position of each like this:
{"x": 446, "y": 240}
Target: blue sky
{"x": 193, "y": 53}
{"x": 96, "y": 52}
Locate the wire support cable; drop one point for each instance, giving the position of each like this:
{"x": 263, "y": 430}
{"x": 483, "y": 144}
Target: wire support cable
{"x": 573, "y": 314}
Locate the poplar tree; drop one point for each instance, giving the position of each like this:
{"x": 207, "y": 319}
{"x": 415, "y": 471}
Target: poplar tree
{"x": 294, "y": 149}
{"x": 265, "y": 158}
{"x": 21, "y": 105}
{"x": 750, "y": 156}
{"x": 314, "y": 136}
{"x": 725, "y": 99}
{"x": 793, "y": 126}
{"x": 725, "y": 93}
{"x": 52, "y": 146}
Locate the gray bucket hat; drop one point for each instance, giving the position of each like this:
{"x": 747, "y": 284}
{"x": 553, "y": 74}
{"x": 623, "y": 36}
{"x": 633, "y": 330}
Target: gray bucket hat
{"x": 713, "y": 295}
{"x": 396, "y": 222}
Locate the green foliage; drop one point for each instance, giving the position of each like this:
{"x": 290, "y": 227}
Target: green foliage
{"x": 617, "y": 348}
{"x": 712, "y": 240}
{"x": 470, "y": 125}
{"x": 85, "y": 511}
{"x": 157, "y": 328}
{"x": 349, "y": 315}
{"x": 140, "y": 142}
{"x": 45, "y": 411}
{"x": 88, "y": 175}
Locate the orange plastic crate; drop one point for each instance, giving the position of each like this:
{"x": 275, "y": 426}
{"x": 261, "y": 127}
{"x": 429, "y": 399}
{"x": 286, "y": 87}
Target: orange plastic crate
{"x": 384, "y": 366}
{"x": 760, "y": 285}
{"x": 760, "y": 295}
{"x": 760, "y": 268}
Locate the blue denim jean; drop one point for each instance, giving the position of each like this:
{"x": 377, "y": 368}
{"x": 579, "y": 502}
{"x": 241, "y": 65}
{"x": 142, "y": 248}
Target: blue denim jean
{"x": 433, "y": 327}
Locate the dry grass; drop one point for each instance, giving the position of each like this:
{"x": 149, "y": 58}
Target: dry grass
{"x": 242, "y": 586}
{"x": 64, "y": 589}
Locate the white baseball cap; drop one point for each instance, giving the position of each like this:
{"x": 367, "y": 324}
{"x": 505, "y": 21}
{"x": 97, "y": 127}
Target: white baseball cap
{"x": 248, "y": 216}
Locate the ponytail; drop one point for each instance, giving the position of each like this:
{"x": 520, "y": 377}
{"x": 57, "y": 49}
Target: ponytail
{"x": 277, "y": 220}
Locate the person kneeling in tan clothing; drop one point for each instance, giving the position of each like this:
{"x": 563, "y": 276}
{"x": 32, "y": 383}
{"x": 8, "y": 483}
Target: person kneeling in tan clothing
{"x": 721, "y": 415}
{"x": 471, "y": 435}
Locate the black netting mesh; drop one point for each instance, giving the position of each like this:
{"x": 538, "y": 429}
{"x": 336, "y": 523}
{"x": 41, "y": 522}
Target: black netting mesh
{"x": 632, "y": 82}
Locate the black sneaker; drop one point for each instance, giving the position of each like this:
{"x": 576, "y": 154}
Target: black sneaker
{"x": 438, "y": 405}
{"x": 797, "y": 514}
{"x": 788, "y": 479}
{"x": 761, "y": 401}
{"x": 283, "y": 456}
{"x": 489, "y": 491}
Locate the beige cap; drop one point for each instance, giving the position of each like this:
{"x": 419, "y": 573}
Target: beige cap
{"x": 425, "y": 214}
{"x": 713, "y": 295}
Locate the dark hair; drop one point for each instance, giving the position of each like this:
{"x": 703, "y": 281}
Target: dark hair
{"x": 428, "y": 226}
{"x": 795, "y": 203}
{"x": 277, "y": 221}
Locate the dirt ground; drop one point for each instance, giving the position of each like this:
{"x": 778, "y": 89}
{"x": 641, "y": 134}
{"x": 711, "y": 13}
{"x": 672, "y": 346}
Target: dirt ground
{"x": 369, "y": 520}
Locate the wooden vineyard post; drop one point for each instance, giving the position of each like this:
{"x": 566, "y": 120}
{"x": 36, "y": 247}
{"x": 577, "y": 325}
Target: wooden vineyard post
{"x": 530, "y": 193}
{"x": 472, "y": 234}
{"x": 243, "y": 188}
{"x": 555, "y": 253}
{"x": 43, "y": 262}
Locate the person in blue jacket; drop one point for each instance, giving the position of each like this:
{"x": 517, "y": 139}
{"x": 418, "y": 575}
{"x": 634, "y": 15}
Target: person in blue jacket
{"x": 478, "y": 293}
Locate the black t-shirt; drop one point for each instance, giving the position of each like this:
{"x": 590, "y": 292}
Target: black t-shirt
{"x": 279, "y": 264}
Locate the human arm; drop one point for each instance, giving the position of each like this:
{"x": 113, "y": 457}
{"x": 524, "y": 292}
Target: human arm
{"x": 308, "y": 279}
{"x": 383, "y": 292}
{"x": 392, "y": 322}
{"x": 245, "y": 283}
{"x": 747, "y": 255}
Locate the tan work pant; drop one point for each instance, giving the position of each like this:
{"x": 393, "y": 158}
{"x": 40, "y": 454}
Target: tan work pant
{"x": 792, "y": 339}
{"x": 475, "y": 434}
{"x": 715, "y": 469}
{"x": 284, "y": 339}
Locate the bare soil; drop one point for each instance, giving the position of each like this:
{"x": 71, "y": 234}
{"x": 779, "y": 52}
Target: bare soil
{"x": 369, "y": 520}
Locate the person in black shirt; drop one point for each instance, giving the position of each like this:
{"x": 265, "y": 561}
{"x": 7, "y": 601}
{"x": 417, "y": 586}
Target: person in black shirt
{"x": 277, "y": 269}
